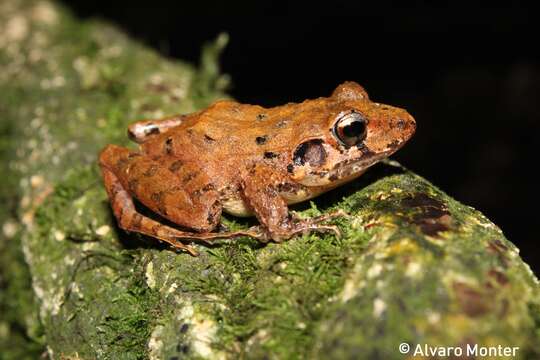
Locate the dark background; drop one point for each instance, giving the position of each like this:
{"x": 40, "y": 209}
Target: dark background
{"x": 470, "y": 76}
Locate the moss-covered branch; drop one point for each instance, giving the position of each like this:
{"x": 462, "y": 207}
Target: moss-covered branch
{"x": 413, "y": 265}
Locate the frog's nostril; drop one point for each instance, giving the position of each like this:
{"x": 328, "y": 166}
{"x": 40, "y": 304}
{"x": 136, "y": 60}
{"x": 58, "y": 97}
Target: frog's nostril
{"x": 401, "y": 124}
{"x": 406, "y": 124}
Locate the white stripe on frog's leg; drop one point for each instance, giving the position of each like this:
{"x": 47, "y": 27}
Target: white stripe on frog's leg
{"x": 143, "y": 130}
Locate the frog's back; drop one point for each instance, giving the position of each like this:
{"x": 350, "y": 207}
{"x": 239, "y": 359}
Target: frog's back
{"x": 231, "y": 132}
{"x": 231, "y": 128}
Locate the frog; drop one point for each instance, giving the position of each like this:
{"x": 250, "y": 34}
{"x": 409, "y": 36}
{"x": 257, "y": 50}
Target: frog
{"x": 247, "y": 160}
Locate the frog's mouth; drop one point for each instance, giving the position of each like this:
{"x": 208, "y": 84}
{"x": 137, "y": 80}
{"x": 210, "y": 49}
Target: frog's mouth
{"x": 344, "y": 171}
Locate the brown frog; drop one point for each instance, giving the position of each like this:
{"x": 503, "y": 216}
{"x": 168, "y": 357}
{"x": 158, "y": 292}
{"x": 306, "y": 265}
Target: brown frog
{"x": 248, "y": 160}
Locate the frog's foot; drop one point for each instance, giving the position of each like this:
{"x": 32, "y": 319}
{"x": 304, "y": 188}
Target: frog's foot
{"x": 305, "y": 227}
{"x": 298, "y": 226}
{"x": 264, "y": 236}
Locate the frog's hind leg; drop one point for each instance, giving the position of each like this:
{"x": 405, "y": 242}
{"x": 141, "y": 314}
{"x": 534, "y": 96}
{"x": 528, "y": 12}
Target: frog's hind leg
{"x": 130, "y": 220}
{"x": 121, "y": 170}
{"x": 143, "y": 130}
{"x": 179, "y": 192}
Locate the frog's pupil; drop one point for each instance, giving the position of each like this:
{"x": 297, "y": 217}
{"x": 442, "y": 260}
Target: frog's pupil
{"x": 354, "y": 129}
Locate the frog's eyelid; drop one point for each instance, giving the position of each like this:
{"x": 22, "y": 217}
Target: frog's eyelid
{"x": 347, "y": 121}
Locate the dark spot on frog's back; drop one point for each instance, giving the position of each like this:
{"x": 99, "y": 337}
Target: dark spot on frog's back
{"x": 270, "y": 155}
{"x": 260, "y": 140}
{"x": 169, "y": 145}
{"x": 175, "y": 166}
{"x": 261, "y": 117}
{"x": 208, "y": 138}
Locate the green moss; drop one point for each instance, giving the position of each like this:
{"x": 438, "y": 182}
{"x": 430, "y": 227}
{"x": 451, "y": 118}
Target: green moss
{"x": 20, "y": 331}
{"x": 311, "y": 295}
{"x": 130, "y": 331}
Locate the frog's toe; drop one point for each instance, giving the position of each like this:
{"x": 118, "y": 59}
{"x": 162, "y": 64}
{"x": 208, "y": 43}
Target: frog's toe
{"x": 332, "y": 215}
{"x": 182, "y": 247}
{"x": 210, "y": 238}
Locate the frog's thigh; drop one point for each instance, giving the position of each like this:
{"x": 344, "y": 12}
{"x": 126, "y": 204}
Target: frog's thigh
{"x": 189, "y": 201}
{"x": 143, "y": 130}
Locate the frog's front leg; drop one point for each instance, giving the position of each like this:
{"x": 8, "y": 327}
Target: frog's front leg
{"x": 129, "y": 174}
{"x": 143, "y": 130}
{"x": 260, "y": 193}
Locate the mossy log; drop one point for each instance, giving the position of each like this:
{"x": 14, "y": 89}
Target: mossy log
{"x": 413, "y": 265}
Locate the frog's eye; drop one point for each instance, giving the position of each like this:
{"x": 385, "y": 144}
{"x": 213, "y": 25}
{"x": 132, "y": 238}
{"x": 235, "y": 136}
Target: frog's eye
{"x": 350, "y": 128}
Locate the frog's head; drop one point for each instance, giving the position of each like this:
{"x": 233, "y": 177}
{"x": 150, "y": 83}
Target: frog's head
{"x": 356, "y": 133}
